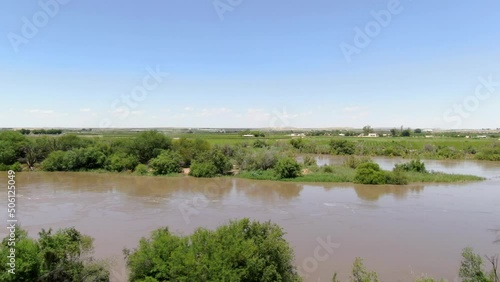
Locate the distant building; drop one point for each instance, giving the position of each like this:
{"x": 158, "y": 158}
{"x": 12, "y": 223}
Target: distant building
{"x": 341, "y": 134}
{"x": 248, "y": 135}
{"x": 298, "y": 135}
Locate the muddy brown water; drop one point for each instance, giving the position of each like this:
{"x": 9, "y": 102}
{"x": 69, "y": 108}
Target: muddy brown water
{"x": 401, "y": 232}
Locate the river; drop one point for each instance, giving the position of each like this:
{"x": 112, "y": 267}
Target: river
{"x": 401, "y": 232}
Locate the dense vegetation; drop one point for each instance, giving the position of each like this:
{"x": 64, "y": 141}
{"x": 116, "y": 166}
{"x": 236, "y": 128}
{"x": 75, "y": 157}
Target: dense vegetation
{"x": 154, "y": 153}
{"x": 239, "y": 251}
{"x": 64, "y": 255}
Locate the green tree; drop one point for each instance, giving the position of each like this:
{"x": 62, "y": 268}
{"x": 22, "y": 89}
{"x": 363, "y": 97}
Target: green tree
{"x": 342, "y": 147}
{"x": 70, "y": 142}
{"x": 297, "y": 143}
{"x": 361, "y": 274}
{"x": 417, "y": 131}
{"x": 55, "y": 257}
{"x": 369, "y": 173}
{"x": 471, "y": 267}
{"x": 203, "y": 169}
{"x": 8, "y": 153}
{"x": 367, "y": 130}
{"x": 167, "y": 162}
{"x": 406, "y": 133}
{"x": 54, "y": 162}
{"x": 287, "y": 168}
{"x": 121, "y": 162}
{"x": 217, "y": 157}
{"x": 148, "y": 145}
{"x": 394, "y": 132}
{"x": 239, "y": 251}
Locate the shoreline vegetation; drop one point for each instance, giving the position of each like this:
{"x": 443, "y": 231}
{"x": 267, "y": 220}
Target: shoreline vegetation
{"x": 154, "y": 153}
{"x": 241, "y": 250}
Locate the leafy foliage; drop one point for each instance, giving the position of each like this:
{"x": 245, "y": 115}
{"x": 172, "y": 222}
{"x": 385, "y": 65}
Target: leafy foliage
{"x": 413, "y": 165}
{"x": 342, "y": 147}
{"x": 121, "y": 162}
{"x": 166, "y": 163}
{"x": 239, "y": 251}
{"x": 54, "y": 257}
{"x": 287, "y": 168}
{"x": 370, "y": 173}
{"x": 203, "y": 169}
{"x": 148, "y": 145}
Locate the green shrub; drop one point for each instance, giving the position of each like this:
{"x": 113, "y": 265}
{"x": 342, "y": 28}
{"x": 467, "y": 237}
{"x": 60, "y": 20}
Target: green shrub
{"x": 297, "y": 143}
{"x": 287, "y": 168}
{"x": 54, "y": 161}
{"x": 239, "y": 251}
{"x": 218, "y": 159}
{"x": 396, "y": 177}
{"x": 56, "y": 256}
{"x": 491, "y": 153}
{"x": 354, "y": 161}
{"x": 166, "y": 163}
{"x": 309, "y": 161}
{"x": 256, "y": 159}
{"x": 148, "y": 145}
{"x": 203, "y": 169}
{"x": 342, "y": 147}
{"x": 370, "y": 173}
{"x": 141, "y": 169}
{"x": 121, "y": 162}
{"x": 16, "y": 167}
{"x": 413, "y": 165}
{"x": 327, "y": 168}
{"x": 260, "y": 144}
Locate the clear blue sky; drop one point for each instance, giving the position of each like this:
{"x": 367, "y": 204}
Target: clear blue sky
{"x": 258, "y": 64}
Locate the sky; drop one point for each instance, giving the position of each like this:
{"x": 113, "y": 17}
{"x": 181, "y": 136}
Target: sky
{"x": 249, "y": 64}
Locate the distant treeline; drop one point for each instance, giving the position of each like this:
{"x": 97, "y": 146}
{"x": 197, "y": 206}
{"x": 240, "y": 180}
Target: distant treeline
{"x": 152, "y": 152}
{"x": 41, "y": 131}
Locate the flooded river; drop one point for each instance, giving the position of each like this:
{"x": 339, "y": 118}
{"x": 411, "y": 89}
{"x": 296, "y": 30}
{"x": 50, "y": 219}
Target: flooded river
{"x": 400, "y": 231}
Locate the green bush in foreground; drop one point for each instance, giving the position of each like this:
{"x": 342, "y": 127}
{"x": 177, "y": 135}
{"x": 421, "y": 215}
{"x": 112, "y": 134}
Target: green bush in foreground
{"x": 239, "y": 251}
{"x": 287, "y": 168}
{"x": 54, "y": 257}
